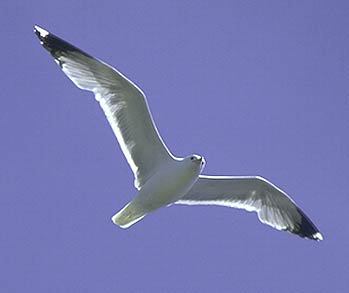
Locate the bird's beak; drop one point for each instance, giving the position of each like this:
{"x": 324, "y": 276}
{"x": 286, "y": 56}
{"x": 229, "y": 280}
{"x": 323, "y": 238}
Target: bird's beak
{"x": 202, "y": 160}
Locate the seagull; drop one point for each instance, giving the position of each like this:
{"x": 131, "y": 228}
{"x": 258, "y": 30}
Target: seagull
{"x": 161, "y": 179}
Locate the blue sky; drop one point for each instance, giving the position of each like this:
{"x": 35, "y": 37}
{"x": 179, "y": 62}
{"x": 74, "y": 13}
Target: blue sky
{"x": 257, "y": 87}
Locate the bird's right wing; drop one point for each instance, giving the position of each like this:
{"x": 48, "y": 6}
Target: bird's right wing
{"x": 272, "y": 205}
{"x": 123, "y": 103}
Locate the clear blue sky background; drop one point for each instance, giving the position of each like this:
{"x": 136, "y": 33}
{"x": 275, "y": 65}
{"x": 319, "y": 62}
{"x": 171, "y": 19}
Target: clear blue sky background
{"x": 257, "y": 87}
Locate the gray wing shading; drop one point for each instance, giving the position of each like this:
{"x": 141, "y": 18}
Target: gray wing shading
{"x": 123, "y": 103}
{"x": 272, "y": 205}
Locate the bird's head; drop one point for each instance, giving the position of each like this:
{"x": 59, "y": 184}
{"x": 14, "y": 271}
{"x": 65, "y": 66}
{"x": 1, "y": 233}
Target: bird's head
{"x": 196, "y": 161}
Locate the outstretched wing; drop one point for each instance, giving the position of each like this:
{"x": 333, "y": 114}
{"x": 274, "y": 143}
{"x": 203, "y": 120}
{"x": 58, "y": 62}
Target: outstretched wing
{"x": 256, "y": 194}
{"x": 123, "y": 103}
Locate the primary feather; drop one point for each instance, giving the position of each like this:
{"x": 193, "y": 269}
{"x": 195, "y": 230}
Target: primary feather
{"x": 252, "y": 193}
{"x": 123, "y": 103}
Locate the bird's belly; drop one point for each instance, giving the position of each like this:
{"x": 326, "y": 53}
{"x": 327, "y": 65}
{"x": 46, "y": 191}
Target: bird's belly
{"x": 165, "y": 188}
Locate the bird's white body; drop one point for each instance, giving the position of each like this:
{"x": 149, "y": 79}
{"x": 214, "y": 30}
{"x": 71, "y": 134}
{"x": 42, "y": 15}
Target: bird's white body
{"x": 168, "y": 185}
{"x": 160, "y": 178}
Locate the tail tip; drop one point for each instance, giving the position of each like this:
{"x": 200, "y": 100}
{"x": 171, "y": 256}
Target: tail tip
{"x": 116, "y": 220}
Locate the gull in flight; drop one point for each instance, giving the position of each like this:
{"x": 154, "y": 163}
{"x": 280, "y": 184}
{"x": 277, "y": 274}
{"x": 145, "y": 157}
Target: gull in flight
{"x": 161, "y": 178}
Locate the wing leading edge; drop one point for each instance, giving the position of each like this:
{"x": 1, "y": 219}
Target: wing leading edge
{"x": 272, "y": 205}
{"x": 123, "y": 103}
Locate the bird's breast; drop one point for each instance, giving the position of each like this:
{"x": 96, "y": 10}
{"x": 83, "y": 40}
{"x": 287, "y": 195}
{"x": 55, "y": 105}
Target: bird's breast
{"x": 168, "y": 185}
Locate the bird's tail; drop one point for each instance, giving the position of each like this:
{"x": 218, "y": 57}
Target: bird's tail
{"x": 128, "y": 216}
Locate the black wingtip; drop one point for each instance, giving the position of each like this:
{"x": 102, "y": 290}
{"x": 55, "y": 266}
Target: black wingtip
{"x": 37, "y": 30}
{"x": 55, "y": 45}
{"x": 307, "y": 229}
{"x": 42, "y": 34}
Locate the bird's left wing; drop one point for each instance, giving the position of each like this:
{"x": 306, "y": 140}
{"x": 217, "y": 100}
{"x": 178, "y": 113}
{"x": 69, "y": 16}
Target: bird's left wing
{"x": 272, "y": 205}
{"x": 123, "y": 103}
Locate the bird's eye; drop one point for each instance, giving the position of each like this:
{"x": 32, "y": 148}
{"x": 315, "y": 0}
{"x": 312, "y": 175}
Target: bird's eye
{"x": 191, "y": 158}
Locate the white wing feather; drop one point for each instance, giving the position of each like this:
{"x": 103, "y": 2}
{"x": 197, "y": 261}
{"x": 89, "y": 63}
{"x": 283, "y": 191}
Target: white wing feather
{"x": 256, "y": 194}
{"x": 123, "y": 103}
